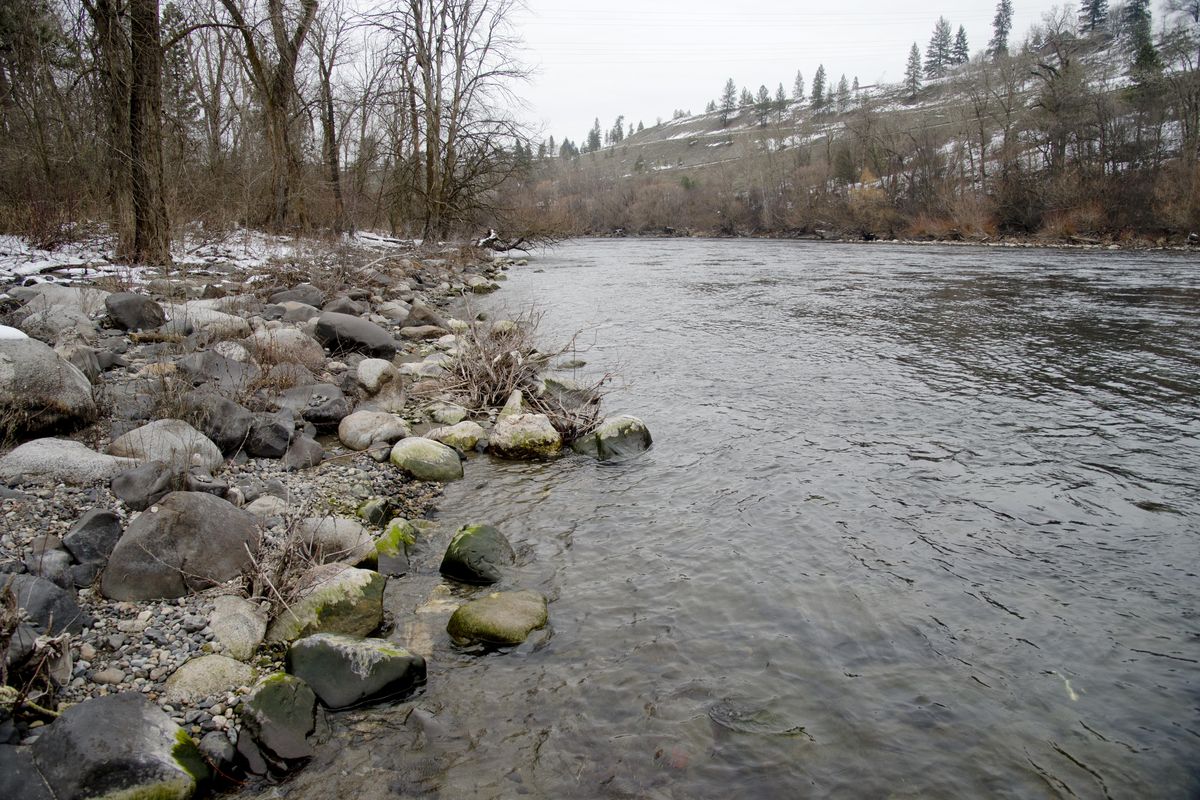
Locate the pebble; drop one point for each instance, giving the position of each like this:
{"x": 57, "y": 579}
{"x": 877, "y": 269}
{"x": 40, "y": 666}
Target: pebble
{"x": 109, "y": 676}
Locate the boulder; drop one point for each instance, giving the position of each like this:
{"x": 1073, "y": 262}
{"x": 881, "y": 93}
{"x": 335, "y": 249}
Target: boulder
{"x": 360, "y": 430}
{"x": 54, "y": 566}
{"x": 82, "y": 357}
{"x": 50, "y": 608}
{"x": 223, "y": 421}
{"x": 477, "y": 554}
{"x": 144, "y": 485}
{"x": 394, "y": 311}
{"x": 427, "y": 460}
{"x": 19, "y": 778}
{"x": 303, "y": 453}
{"x": 344, "y": 305}
{"x": 525, "y": 436}
{"x": 238, "y": 625}
{"x": 423, "y": 332}
{"x": 267, "y": 506}
{"x": 446, "y": 413}
{"x": 41, "y": 391}
{"x": 134, "y": 312}
{"x": 346, "y": 671}
{"x": 188, "y": 542}
{"x": 615, "y": 439}
{"x": 464, "y": 436}
{"x": 382, "y": 383}
{"x": 287, "y": 346}
{"x": 332, "y": 539}
{"x": 343, "y": 333}
{"x": 293, "y": 311}
{"x": 279, "y": 715}
{"x": 206, "y": 677}
{"x": 232, "y": 350}
{"x": 93, "y": 536}
{"x": 514, "y": 405}
{"x": 270, "y": 436}
{"x": 204, "y": 319}
{"x": 422, "y": 314}
{"x": 302, "y": 293}
{"x": 60, "y": 461}
{"x": 333, "y": 598}
{"x": 322, "y": 404}
{"x": 501, "y": 618}
{"x": 171, "y": 441}
{"x": 222, "y": 374}
{"x": 118, "y": 746}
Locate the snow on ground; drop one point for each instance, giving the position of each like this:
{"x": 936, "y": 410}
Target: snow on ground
{"x": 242, "y": 250}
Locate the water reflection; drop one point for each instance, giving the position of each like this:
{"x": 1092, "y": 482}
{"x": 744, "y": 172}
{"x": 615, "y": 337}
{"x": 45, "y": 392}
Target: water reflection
{"x": 917, "y": 523}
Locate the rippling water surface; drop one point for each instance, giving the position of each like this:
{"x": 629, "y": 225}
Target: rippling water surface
{"x": 918, "y": 522}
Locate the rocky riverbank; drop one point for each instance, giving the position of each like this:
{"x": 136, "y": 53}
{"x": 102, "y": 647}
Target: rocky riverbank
{"x": 208, "y": 482}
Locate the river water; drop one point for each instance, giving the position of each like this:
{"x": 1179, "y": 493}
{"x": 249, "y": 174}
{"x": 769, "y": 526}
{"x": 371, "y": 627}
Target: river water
{"x": 918, "y": 522}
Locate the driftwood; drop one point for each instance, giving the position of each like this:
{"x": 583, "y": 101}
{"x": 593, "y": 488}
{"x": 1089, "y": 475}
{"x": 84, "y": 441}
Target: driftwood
{"x": 493, "y": 242}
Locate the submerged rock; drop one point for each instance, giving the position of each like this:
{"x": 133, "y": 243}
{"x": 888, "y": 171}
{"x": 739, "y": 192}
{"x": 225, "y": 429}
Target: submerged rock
{"x": 347, "y": 670}
{"x": 616, "y": 438}
{"x": 501, "y": 618}
{"x": 279, "y": 715}
{"x": 427, "y": 460}
{"x": 334, "y": 599}
{"x": 119, "y": 746}
{"x": 477, "y": 554}
{"x": 525, "y": 436}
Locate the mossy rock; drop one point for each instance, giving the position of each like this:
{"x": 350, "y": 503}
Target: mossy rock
{"x": 501, "y": 618}
{"x": 335, "y": 599}
{"x": 427, "y": 460}
{"x": 477, "y": 554}
{"x": 347, "y": 671}
{"x": 616, "y": 439}
{"x": 280, "y": 714}
{"x": 525, "y": 437}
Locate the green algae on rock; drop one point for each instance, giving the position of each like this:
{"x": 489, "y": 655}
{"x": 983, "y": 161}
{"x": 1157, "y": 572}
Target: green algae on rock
{"x": 427, "y": 460}
{"x": 336, "y": 599}
{"x": 501, "y": 618}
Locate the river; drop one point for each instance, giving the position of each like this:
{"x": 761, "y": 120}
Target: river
{"x": 917, "y": 522}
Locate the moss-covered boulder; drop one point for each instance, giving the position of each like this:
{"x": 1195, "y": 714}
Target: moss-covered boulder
{"x": 615, "y": 439}
{"x": 525, "y": 437}
{"x": 477, "y": 554}
{"x": 427, "y": 460}
{"x": 346, "y": 671}
{"x": 279, "y": 716}
{"x": 334, "y": 598}
{"x": 391, "y": 549}
{"x": 501, "y": 618}
{"x": 464, "y": 436}
{"x": 118, "y": 746}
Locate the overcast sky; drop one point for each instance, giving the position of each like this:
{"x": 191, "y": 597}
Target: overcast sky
{"x": 645, "y": 58}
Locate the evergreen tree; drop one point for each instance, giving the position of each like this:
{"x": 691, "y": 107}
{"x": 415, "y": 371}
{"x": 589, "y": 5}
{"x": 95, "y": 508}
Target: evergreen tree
{"x": 728, "y": 101}
{"x": 854, "y": 86}
{"x": 618, "y": 130}
{"x": 818, "y": 87}
{"x": 552, "y": 148}
{"x": 938, "y": 55}
{"x": 1001, "y": 27}
{"x": 593, "y": 138}
{"x": 762, "y": 105}
{"x": 962, "y": 51}
{"x": 1092, "y": 15}
{"x": 542, "y": 148}
{"x": 746, "y": 100}
{"x": 781, "y": 101}
{"x": 1146, "y": 61}
{"x": 798, "y": 88}
{"x": 711, "y": 107}
{"x": 912, "y": 72}
{"x": 641, "y": 127}
{"x": 843, "y": 95}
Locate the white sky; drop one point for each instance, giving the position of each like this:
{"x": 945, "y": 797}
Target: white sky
{"x": 645, "y": 58}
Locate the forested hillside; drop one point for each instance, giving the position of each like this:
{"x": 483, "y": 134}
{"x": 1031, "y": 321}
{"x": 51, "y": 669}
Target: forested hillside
{"x": 1089, "y": 128}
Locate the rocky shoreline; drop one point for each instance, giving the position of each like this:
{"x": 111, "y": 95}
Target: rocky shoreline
{"x": 210, "y": 479}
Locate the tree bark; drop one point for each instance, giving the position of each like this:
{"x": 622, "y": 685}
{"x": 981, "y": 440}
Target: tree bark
{"x": 114, "y": 51}
{"x": 152, "y": 233}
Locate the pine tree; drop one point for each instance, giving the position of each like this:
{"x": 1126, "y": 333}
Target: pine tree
{"x": 912, "y": 72}
{"x": 843, "y": 95}
{"x": 728, "y": 101}
{"x": 937, "y": 56}
{"x": 711, "y": 107}
{"x": 1146, "y": 61}
{"x": 798, "y": 88}
{"x": 1092, "y": 15}
{"x": 818, "y": 87}
{"x": 617, "y": 135}
{"x": 962, "y": 51}
{"x": 1001, "y": 27}
{"x": 746, "y": 99}
{"x": 593, "y": 138}
{"x": 854, "y": 86}
{"x": 552, "y": 148}
{"x": 762, "y": 105}
{"x": 781, "y": 101}
{"x": 641, "y": 127}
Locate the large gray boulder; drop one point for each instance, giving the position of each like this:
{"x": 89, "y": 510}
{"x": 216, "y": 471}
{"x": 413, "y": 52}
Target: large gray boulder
{"x": 322, "y": 404}
{"x": 382, "y": 384}
{"x": 205, "y": 677}
{"x": 189, "y": 542}
{"x": 134, "y": 312}
{"x": 279, "y": 716}
{"x": 342, "y": 333}
{"x": 144, "y": 485}
{"x": 171, "y": 441}
{"x": 119, "y": 746}
{"x": 19, "y": 778}
{"x": 287, "y": 346}
{"x": 301, "y": 293}
{"x": 223, "y": 421}
{"x": 501, "y": 618}
{"x": 615, "y": 439}
{"x": 333, "y": 598}
{"x": 524, "y": 436}
{"x": 225, "y": 375}
{"x": 51, "y": 609}
{"x": 41, "y": 391}
{"x": 238, "y": 625}
{"x": 60, "y": 461}
{"x": 427, "y": 460}
{"x": 93, "y": 536}
{"x": 360, "y": 430}
{"x": 202, "y": 318}
{"x": 346, "y": 671}
{"x": 333, "y": 539}
{"x": 477, "y": 554}
{"x": 464, "y": 436}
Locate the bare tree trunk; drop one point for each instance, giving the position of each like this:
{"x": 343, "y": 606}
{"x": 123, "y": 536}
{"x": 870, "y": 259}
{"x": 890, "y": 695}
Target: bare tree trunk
{"x": 114, "y": 50}
{"x": 152, "y": 234}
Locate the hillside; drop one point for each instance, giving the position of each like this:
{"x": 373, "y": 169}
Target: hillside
{"x": 1057, "y": 141}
